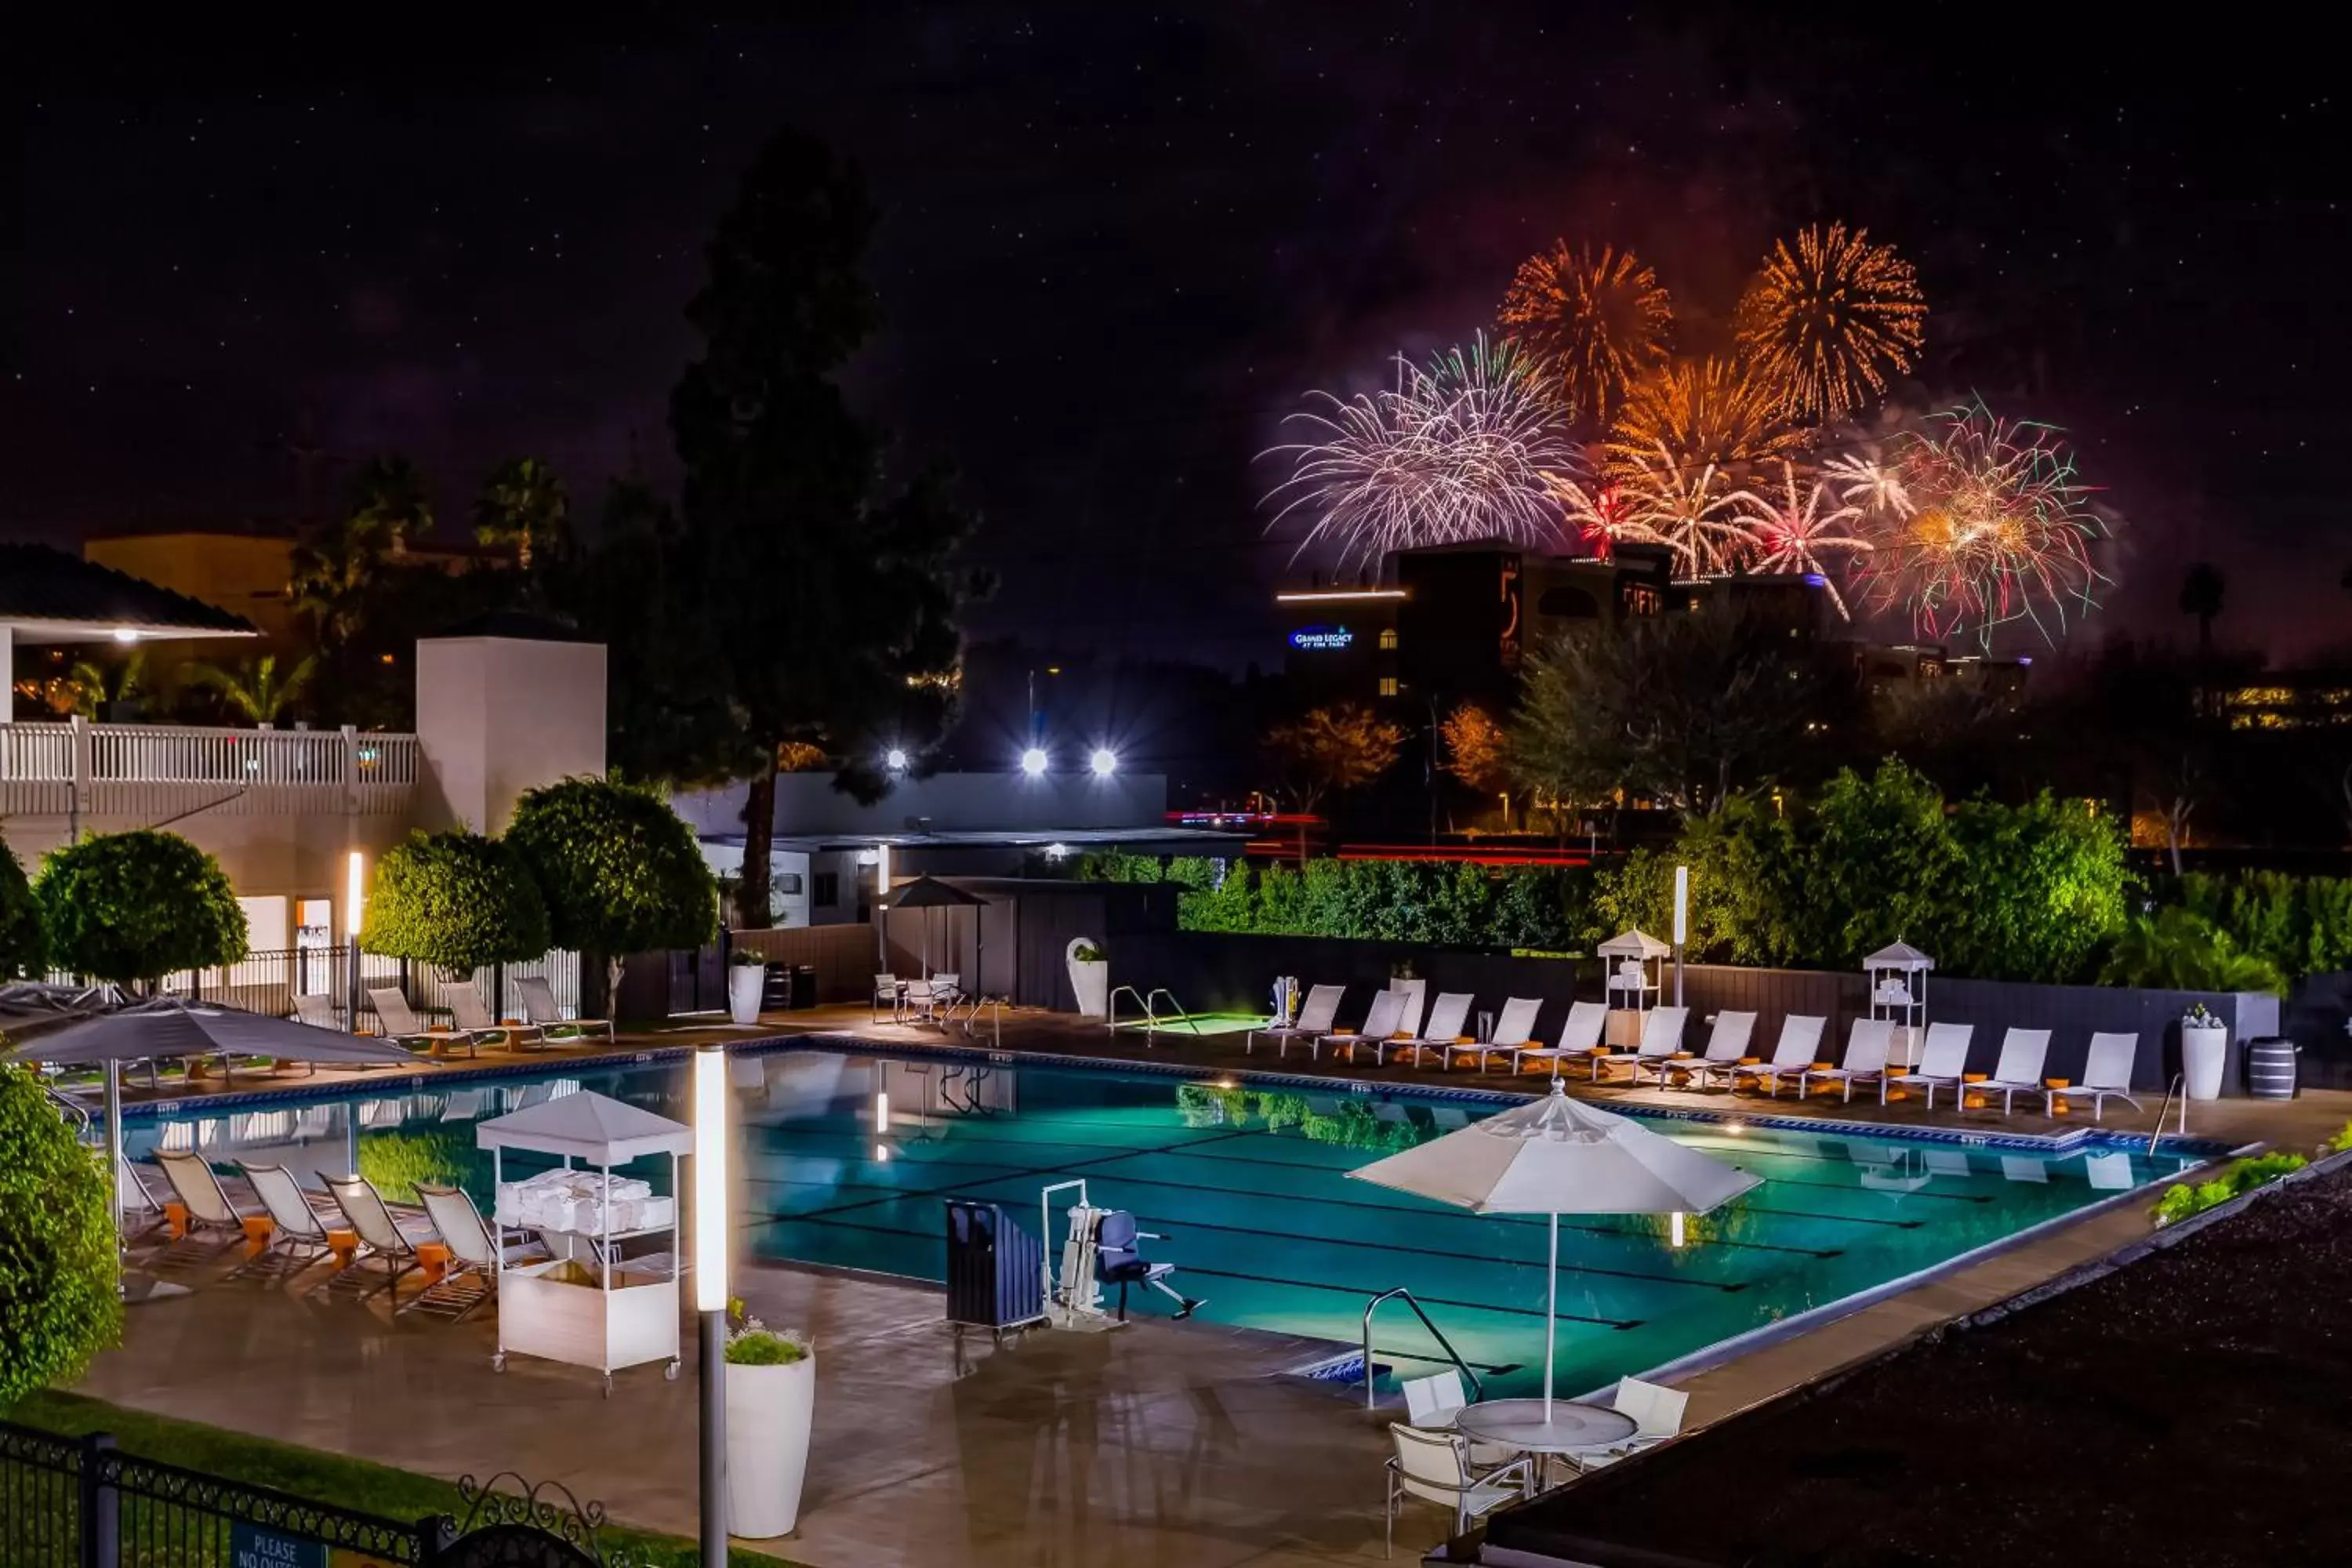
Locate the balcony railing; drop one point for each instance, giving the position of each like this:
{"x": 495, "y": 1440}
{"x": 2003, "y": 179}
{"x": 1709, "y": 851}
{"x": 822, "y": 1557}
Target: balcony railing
{"x": 81, "y": 769}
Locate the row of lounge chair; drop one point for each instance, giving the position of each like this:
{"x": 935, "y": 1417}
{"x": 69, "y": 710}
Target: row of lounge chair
{"x": 543, "y": 1019}
{"x": 1659, "y": 1057}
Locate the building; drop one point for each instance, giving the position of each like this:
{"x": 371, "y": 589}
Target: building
{"x": 2291, "y": 699}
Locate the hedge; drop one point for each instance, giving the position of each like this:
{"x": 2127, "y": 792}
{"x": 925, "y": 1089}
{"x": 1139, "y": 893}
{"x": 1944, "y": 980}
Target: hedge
{"x": 2302, "y": 925}
{"x": 60, "y": 1301}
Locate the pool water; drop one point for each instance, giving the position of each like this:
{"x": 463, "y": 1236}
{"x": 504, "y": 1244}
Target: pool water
{"x": 1248, "y": 1183}
{"x": 1202, "y": 1023}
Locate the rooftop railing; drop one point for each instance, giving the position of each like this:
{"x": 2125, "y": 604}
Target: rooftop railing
{"x": 81, "y": 769}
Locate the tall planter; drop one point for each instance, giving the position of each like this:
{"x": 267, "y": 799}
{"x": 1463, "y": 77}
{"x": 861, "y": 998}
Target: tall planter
{"x": 1089, "y": 979}
{"x": 769, "y": 1409}
{"x": 2203, "y": 1051}
{"x": 745, "y": 982}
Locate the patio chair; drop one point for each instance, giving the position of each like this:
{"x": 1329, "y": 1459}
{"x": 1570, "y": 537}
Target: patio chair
{"x": 473, "y": 1016}
{"x": 1579, "y": 1039}
{"x": 389, "y": 1255}
{"x": 2107, "y": 1075}
{"x": 472, "y": 1276}
{"x": 1657, "y": 1413}
{"x": 2023, "y": 1053}
{"x": 214, "y": 1223}
{"x": 400, "y": 1025}
{"x": 1662, "y": 1037}
{"x": 888, "y": 991}
{"x": 1435, "y": 1467}
{"x": 538, "y": 1005}
{"x": 140, "y": 1210}
{"x": 1379, "y": 1025}
{"x": 1799, "y": 1043}
{"x": 1942, "y": 1061}
{"x": 1413, "y": 997}
{"x": 1513, "y": 1029}
{"x": 1447, "y": 1015}
{"x": 1865, "y": 1057}
{"x": 1314, "y": 1016}
{"x": 1432, "y": 1402}
{"x": 1727, "y": 1045}
{"x": 298, "y": 1236}
{"x": 316, "y": 1009}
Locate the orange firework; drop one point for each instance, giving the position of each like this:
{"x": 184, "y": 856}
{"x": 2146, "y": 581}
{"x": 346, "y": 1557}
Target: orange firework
{"x": 1828, "y": 319}
{"x": 1596, "y": 319}
{"x": 1696, "y": 413}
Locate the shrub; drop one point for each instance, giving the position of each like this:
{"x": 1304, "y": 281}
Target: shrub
{"x": 2175, "y": 949}
{"x": 2180, "y": 1200}
{"x": 59, "y": 1269}
{"x": 750, "y": 1343}
{"x": 131, "y": 908}
{"x": 621, "y": 872}
{"x": 2044, "y": 889}
{"x": 455, "y": 901}
{"x": 22, "y": 948}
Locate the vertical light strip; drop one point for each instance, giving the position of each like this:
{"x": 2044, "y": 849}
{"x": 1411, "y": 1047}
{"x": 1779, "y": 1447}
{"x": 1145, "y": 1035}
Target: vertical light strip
{"x": 354, "y": 881}
{"x": 710, "y": 1229}
{"x": 1682, "y": 904}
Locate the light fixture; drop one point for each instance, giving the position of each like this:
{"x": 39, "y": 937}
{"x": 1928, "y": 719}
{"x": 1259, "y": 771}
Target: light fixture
{"x": 881, "y": 871}
{"x": 354, "y": 881}
{"x": 1681, "y": 905}
{"x": 1058, "y": 851}
{"x": 1675, "y": 1236}
{"x": 1033, "y": 761}
{"x": 1104, "y": 762}
{"x": 711, "y": 1239}
{"x": 126, "y": 634}
{"x": 896, "y": 759}
{"x": 881, "y": 1110}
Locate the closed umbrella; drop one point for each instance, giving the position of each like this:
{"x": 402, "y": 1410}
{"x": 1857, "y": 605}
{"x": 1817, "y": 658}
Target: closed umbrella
{"x": 1553, "y": 1156}
{"x": 930, "y": 893}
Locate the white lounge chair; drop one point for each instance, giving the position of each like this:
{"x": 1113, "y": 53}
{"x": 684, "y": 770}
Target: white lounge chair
{"x": 1447, "y": 1016}
{"x": 2107, "y": 1075}
{"x": 2019, "y": 1070}
{"x": 316, "y": 1009}
{"x": 1315, "y": 1016}
{"x": 472, "y": 1276}
{"x": 1657, "y": 1413}
{"x": 1579, "y": 1039}
{"x": 1865, "y": 1057}
{"x": 298, "y": 1236}
{"x": 1662, "y": 1037}
{"x": 1435, "y": 1467}
{"x": 389, "y": 1252}
{"x": 1412, "y": 996}
{"x": 141, "y": 1211}
{"x": 1801, "y": 1039}
{"x": 213, "y": 1223}
{"x": 538, "y": 1005}
{"x": 1513, "y": 1030}
{"x": 1432, "y": 1402}
{"x": 1943, "y": 1060}
{"x": 1727, "y": 1044}
{"x": 1379, "y": 1025}
{"x": 473, "y": 1016}
{"x": 402, "y": 1027}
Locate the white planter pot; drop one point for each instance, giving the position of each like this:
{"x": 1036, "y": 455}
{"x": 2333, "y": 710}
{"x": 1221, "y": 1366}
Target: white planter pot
{"x": 768, "y": 1414}
{"x": 1092, "y": 983}
{"x": 2202, "y": 1054}
{"x": 744, "y": 984}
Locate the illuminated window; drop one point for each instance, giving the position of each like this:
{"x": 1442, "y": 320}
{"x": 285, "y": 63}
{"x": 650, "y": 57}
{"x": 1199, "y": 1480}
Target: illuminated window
{"x": 1388, "y": 686}
{"x": 1387, "y": 639}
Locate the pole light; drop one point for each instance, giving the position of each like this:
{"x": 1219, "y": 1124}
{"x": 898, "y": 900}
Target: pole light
{"x": 1104, "y": 762}
{"x": 896, "y": 760}
{"x": 1033, "y": 761}
{"x": 1682, "y": 925}
{"x": 354, "y": 887}
{"x": 711, "y": 1239}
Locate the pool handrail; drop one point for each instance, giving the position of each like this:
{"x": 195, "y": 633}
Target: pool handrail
{"x": 2179, "y": 1086}
{"x": 1478, "y": 1384}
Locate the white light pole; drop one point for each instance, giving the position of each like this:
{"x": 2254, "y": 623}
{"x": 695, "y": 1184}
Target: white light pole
{"x": 354, "y": 882}
{"x": 711, "y": 1239}
{"x": 1682, "y": 925}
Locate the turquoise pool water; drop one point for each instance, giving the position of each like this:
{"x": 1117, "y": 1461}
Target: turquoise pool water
{"x": 1249, "y": 1184}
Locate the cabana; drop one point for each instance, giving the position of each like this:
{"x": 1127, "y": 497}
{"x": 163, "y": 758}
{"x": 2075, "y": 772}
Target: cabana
{"x": 1634, "y": 983}
{"x": 1898, "y": 994}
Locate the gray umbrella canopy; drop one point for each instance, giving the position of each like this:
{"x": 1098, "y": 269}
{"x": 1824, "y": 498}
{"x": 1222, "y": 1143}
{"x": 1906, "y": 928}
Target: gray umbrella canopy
{"x": 930, "y": 893}
{"x": 174, "y": 1027}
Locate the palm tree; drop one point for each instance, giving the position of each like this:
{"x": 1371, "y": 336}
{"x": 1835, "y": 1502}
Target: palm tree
{"x": 390, "y": 504}
{"x": 523, "y": 504}
{"x": 254, "y": 690}
{"x": 97, "y": 687}
{"x": 2200, "y": 595}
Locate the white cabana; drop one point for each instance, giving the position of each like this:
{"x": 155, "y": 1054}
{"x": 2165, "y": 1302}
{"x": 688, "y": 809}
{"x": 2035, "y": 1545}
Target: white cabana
{"x": 1899, "y": 993}
{"x": 1634, "y": 983}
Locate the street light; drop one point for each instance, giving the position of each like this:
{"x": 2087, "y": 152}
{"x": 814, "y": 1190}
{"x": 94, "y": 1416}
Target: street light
{"x": 896, "y": 759}
{"x": 1682, "y": 925}
{"x": 354, "y": 883}
{"x": 710, "y": 1238}
{"x": 1033, "y": 761}
{"x": 1104, "y": 762}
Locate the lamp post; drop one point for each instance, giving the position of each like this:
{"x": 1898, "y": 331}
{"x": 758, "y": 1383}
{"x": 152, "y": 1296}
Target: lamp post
{"x": 354, "y": 881}
{"x": 1682, "y": 925}
{"x": 710, "y": 1236}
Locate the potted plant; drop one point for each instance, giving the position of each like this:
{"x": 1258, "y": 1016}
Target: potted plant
{"x": 1089, "y": 977}
{"x": 2204, "y": 1046}
{"x": 771, "y": 1398}
{"x": 747, "y": 977}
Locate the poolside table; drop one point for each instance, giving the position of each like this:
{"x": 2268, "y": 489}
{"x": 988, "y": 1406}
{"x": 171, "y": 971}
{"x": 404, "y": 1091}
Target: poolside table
{"x": 1518, "y": 1424}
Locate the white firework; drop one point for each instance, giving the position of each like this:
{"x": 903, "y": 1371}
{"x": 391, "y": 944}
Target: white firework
{"x": 1689, "y": 509}
{"x": 1869, "y": 485}
{"x": 1465, "y": 449}
{"x": 1793, "y": 534}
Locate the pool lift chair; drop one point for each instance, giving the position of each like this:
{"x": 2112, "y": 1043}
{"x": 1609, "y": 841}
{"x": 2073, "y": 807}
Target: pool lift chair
{"x": 1101, "y": 1248}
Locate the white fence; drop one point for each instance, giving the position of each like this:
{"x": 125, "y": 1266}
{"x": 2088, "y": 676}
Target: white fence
{"x": 164, "y": 770}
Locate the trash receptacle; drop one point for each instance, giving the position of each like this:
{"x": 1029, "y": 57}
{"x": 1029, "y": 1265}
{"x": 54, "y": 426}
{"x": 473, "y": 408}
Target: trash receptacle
{"x": 776, "y": 990}
{"x": 804, "y": 986}
{"x": 2269, "y": 1068}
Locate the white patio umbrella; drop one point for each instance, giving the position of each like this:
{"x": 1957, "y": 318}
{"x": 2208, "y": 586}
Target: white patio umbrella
{"x": 1553, "y": 1156}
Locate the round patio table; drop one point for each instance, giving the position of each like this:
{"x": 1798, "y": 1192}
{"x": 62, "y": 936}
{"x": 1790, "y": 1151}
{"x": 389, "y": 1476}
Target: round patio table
{"x": 1574, "y": 1429}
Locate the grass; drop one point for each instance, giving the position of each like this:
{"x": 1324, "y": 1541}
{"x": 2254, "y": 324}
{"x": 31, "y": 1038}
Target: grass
{"x": 314, "y": 1475}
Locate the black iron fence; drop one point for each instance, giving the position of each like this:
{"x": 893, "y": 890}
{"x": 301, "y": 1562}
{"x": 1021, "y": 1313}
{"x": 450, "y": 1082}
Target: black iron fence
{"x": 282, "y": 981}
{"x": 68, "y": 1502}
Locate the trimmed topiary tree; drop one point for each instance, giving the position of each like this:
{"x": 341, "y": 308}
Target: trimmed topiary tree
{"x": 622, "y": 873}
{"x": 132, "y": 907}
{"x": 22, "y": 948}
{"x": 458, "y": 901}
{"x": 60, "y": 1271}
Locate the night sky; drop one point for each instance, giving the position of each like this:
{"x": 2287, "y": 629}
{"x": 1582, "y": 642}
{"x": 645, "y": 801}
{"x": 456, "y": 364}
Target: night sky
{"x": 1118, "y": 243}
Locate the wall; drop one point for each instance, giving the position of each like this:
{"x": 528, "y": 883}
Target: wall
{"x": 808, "y": 805}
{"x": 498, "y": 716}
{"x": 291, "y": 857}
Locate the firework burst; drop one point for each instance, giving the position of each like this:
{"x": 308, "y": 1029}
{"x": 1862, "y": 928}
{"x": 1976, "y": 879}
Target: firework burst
{"x": 1800, "y": 528}
{"x": 1690, "y": 510}
{"x": 1827, "y": 320}
{"x": 1699, "y": 414}
{"x": 1595, "y": 513}
{"x": 1595, "y": 320}
{"x": 1463, "y": 449}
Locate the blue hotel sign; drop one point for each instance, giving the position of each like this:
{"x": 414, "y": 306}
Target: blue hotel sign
{"x": 251, "y": 1546}
{"x": 1320, "y": 639}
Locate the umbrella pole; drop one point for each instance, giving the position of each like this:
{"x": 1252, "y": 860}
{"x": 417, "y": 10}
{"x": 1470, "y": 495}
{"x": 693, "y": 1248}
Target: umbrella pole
{"x": 114, "y": 1150}
{"x": 1551, "y": 1312}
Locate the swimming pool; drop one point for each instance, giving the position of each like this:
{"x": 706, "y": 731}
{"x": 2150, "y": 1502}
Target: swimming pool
{"x": 1248, "y": 1182}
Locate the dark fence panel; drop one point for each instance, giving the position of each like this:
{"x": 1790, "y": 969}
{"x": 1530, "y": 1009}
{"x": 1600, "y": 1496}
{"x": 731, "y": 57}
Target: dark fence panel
{"x": 2317, "y": 1015}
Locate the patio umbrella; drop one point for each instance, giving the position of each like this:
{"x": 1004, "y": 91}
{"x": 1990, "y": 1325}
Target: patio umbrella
{"x": 930, "y": 893}
{"x": 1553, "y": 1156}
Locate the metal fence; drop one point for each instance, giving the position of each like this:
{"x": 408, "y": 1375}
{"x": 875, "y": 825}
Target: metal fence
{"x": 269, "y": 982}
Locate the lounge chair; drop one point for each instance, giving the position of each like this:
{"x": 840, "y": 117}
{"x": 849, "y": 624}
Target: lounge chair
{"x": 2107, "y": 1075}
{"x": 2019, "y": 1070}
{"x": 1413, "y": 997}
{"x": 1447, "y": 1016}
{"x": 1727, "y": 1045}
{"x": 473, "y": 1016}
{"x": 1379, "y": 1025}
{"x": 538, "y": 1005}
{"x": 1579, "y": 1040}
{"x": 472, "y": 1276}
{"x": 1657, "y": 1413}
{"x": 390, "y": 1255}
{"x": 298, "y": 1236}
{"x": 142, "y": 1212}
{"x": 1432, "y": 1402}
{"x": 1513, "y": 1030}
{"x": 1662, "y": 1037}
{"x": 214, "y": 1224}
{"x": 401, "y": 1026}
{"x": 318, "y": 1010}
{"x": 1435, "y": 1467}
{"x": 1943, "y": 1060}
{"x": 1314, "y": 1016}
{"x": 890, "y": 992}
{"x": 1865, "y": 1057}
{"x": 1800, "y": 1038}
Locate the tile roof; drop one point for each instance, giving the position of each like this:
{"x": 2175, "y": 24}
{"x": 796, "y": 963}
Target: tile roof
{"x": 40, "y": 583}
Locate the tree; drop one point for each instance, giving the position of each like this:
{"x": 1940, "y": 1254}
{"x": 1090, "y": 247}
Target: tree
{"x": 98, "y": 686}
{"x": 2200, "y": 595}
{"x": 2045, "y": 890}
{"x": 457, "y": 901}
{"x": 131, "y": 908}
{"x": 1473, "y": 748}
{"x": 391, "y": 504}
{"x": 621, "y": 872}
{"x": 59, "y": 1270}
{"x": 1884, "y": 866}
{"x": 523, "y": 506}
{"x": 254, "y": 690}
{"x": 1338, "y": 748}
{"x": 829, "y": 603}
{"x": 23, "y": 951}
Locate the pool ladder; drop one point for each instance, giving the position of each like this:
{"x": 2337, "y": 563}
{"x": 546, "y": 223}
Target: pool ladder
{"x": 1144, "y": 1000}
{"x": 1477, "y": 1385}
{"x": 2179, "y": 1086}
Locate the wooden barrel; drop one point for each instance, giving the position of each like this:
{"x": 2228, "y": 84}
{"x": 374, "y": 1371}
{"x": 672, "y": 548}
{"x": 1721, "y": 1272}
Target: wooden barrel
{"x": 2269, "y": 1068}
